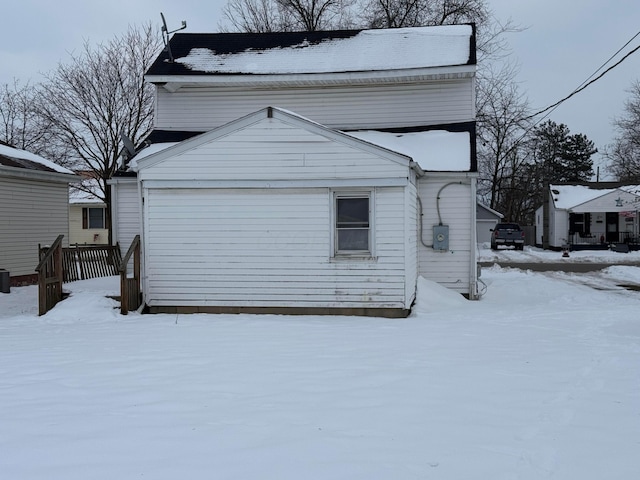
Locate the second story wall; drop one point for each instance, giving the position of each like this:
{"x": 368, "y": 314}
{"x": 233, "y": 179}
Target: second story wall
{"x": 347, "y": 108}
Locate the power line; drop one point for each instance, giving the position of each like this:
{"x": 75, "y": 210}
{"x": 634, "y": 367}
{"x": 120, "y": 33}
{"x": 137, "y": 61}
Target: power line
{"x": 582, "y": 86}
{"x": 585, "y": 85}
{"x": 610, "y": 58}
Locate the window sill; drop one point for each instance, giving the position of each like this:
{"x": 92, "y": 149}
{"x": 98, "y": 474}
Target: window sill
{"x": 341, "y": 258}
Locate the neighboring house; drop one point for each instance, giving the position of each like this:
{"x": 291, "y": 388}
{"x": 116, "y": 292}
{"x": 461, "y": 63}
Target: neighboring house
{"x": 590, "y": 215}
{"x": 315, "y": 172}
{"x": 486, "y": 220}
{"x": 87, "y": 218}
{"x": 34, "y": 210}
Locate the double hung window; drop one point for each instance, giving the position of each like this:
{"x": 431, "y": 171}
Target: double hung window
{"x": 352, "y": 224}
{"x": 92, "y": 218}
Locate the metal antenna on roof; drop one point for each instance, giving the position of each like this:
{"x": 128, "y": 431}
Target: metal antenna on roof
{"x": 128, "y": 146}
{"x": 166, "y": 33}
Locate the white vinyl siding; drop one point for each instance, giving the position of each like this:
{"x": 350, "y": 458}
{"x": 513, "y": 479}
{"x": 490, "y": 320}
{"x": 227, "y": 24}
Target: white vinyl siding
{"x": 411, "y": 242}
{"x": 267, "y": 248}
{"x": 451, "y": 268}
{"x": 32, "y": 213}
{"x": 273, "y": 150}
{"x": 346, "y": 108}
{"x": 126, "y": 208}
{"x": 559, "y": 227}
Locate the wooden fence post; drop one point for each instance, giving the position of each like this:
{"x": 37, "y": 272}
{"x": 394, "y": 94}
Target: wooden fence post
{"x": 130, "y": 287}
{"x": 50, "y": 277}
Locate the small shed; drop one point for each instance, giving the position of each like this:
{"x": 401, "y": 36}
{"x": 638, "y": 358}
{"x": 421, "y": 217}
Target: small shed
{"x": 34, "y": 209}
{"x": 486, "y": 220}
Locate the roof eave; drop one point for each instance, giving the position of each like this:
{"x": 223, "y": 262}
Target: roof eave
{"x": 174, "y": 82}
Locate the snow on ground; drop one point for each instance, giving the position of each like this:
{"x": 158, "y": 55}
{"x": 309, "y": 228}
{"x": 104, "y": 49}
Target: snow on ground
{"x": 534, "y": 254}
{"x": 538, "y": 379}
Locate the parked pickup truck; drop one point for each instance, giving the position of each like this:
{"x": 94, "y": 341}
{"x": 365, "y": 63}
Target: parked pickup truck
{"x": 507, "y": 234}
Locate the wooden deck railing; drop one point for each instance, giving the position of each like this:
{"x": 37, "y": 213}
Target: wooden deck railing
{"x": 99, "y": 261}
{"x": 82, "y": 262}
{"x": 130, "y": 298}
{"x": 50, "y": 276}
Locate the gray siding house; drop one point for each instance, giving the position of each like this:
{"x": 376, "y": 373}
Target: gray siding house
{"x": 317, "y": 172}
{"x": 34, "y": 209}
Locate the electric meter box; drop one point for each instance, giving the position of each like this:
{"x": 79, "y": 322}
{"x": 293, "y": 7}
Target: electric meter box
{"x": 441, "y": 237}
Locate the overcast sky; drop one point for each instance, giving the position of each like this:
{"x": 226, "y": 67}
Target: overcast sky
{"x": 564, "y": 43}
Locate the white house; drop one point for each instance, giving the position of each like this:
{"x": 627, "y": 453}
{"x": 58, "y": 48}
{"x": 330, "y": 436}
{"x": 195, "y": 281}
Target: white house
{"x": 34, "y": 209}
{"x": 590, "y": 215}
{"x": 306, "y": 172}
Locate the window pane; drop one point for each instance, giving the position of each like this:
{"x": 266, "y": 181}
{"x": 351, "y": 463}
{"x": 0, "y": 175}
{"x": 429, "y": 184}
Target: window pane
{"x": 353, "y": 239}
{"x": 96, "y": 218}
{"x": 352, "y": 224}
{"x": 352, "y": 212}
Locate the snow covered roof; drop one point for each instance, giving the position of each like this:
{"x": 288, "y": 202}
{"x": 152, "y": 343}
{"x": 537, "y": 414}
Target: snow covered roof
{"x": 317, "y": 52}
{"x": 14, "y": 157}
{"x": 634, "y": 189}
{"x": 150, "y": 150}
{"x": 433, "y": 150}
{"x": 567, "y": 197}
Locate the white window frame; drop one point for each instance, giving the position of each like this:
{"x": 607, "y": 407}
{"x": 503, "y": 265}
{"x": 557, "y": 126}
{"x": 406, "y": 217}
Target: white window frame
{"x": 352, "y": 193}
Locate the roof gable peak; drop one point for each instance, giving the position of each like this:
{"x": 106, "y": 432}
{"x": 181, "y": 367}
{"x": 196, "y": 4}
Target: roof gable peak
{"x": 277, "y": 114}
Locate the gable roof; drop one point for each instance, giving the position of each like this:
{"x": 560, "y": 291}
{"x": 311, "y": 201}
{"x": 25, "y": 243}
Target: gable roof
{"x": 488, "y": 209}
{"x": 568, "y": 197}
{"x": 160, "y": 152}
{"x": 295, "y": 53}
{"x": 433, "y": 149}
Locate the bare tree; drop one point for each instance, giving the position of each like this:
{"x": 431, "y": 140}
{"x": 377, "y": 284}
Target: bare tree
{"x": 15, "y": 107}
{"x": 392, "y": 13}
{"x": 624, "y": 154}
{"x": 502, "y": 126}
{"x": 313, "y": 15}
{"x": 98, "y": 96}
{"x": 257, "y": 16}
{"x": 411, "y": 13}
{"x": 20, "y": 127}
{"x": 287, "y": 15}
{"x": 490, "y": 40}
